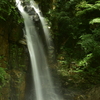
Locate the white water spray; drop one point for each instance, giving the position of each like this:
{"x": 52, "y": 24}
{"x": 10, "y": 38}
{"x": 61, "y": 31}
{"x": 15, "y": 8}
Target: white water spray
{"x": 43, "y": 84}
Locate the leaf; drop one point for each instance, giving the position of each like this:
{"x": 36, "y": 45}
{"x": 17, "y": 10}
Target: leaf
{"x": 2, "y": 18}
{"x": 95, "y": 20}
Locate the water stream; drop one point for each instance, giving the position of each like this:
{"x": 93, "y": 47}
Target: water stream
{"x": 31, "y": 14}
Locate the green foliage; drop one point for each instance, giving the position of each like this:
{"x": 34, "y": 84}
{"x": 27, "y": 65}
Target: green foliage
{"x": 75, "y": 28}
{"x": 5, "y": 9}
{"x": 87, "y": 42}
{"x": 8, "y": 10}
{"x": 95, "y": 20}
{"x": 2, "y": 76}
{"x": 85, "y": 60}
{"x": 84, "y": 7}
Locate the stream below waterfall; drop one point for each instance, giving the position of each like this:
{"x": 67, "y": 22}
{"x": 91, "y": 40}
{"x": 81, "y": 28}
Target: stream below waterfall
{"x": 37, "y": 37}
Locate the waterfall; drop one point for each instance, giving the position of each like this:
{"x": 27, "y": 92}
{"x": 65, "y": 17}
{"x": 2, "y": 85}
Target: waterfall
{"x": 42, "y": 80}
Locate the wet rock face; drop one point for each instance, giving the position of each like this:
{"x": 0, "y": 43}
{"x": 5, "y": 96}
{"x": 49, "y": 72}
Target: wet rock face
{"x": 15, "y": 34}
{"x": 17, "y": 85}
{"x": 3, "y": 46}
{"x": 4, "y": 58}
{"x": 34, "y": 16}
{"x": 13, "y": 59}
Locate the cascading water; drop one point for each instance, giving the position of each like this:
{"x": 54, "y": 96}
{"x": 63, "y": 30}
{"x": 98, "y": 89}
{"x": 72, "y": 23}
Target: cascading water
{"x": 43, "y": 84}
{"x": 46, "y": 32}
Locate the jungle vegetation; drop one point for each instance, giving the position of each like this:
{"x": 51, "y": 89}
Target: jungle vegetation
{"x": 75, "y": 30}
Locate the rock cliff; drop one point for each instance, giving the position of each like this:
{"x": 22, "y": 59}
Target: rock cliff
{"x": 13, "y": 62}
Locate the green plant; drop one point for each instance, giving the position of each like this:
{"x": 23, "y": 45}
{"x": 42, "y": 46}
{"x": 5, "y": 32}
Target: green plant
{"x": 8, "y": 10}
{"x": 75, "y": 26}
{"x": 1, "y": 57}
{"x": 2, "y": 76}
